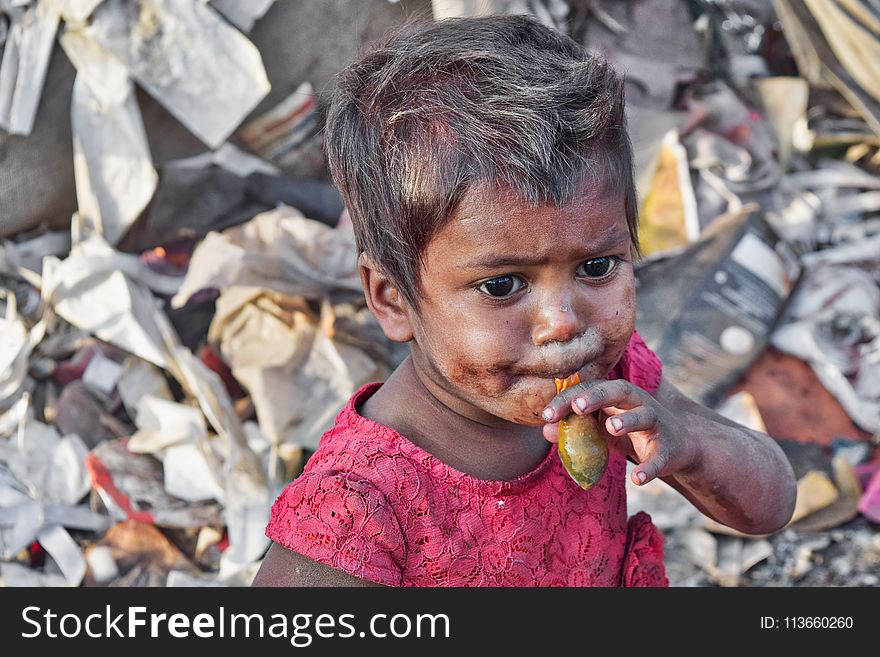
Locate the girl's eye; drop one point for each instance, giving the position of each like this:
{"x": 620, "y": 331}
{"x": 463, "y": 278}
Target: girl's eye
{"x": 598, "y": 267}
{"x": 501, "y": 286}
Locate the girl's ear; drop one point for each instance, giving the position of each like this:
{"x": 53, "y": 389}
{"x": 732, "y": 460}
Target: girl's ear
{"x": 385, "y": 302}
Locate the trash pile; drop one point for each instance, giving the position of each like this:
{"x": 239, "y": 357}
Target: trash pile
{"x": 757, "y": 131}
{"x": 168, "y": 363}
{"x": 170, "y": 357}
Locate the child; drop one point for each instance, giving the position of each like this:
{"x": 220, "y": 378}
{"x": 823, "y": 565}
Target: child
{"x": 488, "y": 173}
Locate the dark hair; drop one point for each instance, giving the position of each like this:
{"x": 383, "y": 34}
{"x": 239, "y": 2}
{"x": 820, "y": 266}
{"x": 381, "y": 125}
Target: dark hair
{"x": 434, "y": 109}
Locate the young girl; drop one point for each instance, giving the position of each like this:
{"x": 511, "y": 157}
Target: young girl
{"x": 488, "y": 174}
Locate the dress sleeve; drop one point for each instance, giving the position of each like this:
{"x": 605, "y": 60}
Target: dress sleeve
{"x": 643, "y": 561}
{"x": 641, "y": 366}
{"x": 342, "y": 521}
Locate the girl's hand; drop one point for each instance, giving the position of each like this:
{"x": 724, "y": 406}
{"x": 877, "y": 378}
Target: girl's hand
{"x": 632, "y": 422}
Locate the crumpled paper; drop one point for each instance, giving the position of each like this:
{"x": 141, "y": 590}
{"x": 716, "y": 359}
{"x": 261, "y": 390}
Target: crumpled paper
{"x": 16, "y": 345}
{"x": 113, "y": 169}
{"x": 204, "y": 71}
{"x": 280, "y": 275}
{"x": 26, "y": 57}
{"x": 280, "y": 250}
{"x": 833, "y": 323}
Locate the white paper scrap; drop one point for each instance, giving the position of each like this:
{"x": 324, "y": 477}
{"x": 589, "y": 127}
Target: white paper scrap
{"x": 140, "y": 379}
{"x": 67, "y": 478}
{"x": 89, "y": 291}
{"x": 101, "y": 564}
{"x": 66, "y": 553}
{"x": 34, "y": 37}
{"x": 113, "y": 168}
{"x": 18, "y": 575}
{"x": 188, "y": 475}
{"x": 200, "y": 68}
{"x": 102, "y": 374}
{"x": 20, "y": 520}
{"x": 162, "y": 423}
{"x": 77, "y": 11}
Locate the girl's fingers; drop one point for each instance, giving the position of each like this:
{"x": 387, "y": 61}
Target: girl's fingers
{"x": 590, "y": 397}
{"x": 560, "y": 406}
{"x": 640, "y": 418}
{"x": 650, "y": 469}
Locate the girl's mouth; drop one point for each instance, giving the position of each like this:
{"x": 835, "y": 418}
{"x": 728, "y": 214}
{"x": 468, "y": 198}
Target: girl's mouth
{"x": 557, "y": 373}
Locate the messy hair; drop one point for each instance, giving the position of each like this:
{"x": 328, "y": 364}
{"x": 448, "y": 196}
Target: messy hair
{"x": 436, "y": 109}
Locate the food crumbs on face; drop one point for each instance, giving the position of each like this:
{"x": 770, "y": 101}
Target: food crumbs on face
{"x": 582, "y": 450}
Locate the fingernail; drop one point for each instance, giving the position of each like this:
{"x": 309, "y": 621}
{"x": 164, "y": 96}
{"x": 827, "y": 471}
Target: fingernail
{"x": 641, "y": 476}
{"x": 547, "y": 414}
{"x": 580, "y": 403}
{"x": 618, "y": 425}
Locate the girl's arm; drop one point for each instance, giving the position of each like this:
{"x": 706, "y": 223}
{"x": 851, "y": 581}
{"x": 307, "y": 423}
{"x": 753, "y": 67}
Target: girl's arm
{"x": 738, "y": 477}
{"x": 283, "y": 567}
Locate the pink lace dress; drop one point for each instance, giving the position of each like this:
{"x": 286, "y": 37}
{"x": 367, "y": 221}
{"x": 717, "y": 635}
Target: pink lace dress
{"x": 376, "y": 506}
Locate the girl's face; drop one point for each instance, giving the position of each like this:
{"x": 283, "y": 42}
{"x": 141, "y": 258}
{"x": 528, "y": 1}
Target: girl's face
{"x": 514, "y": 297}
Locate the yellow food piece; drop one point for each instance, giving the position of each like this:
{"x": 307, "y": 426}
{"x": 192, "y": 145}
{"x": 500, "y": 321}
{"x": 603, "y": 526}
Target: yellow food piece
{"x": 582, "y": 450}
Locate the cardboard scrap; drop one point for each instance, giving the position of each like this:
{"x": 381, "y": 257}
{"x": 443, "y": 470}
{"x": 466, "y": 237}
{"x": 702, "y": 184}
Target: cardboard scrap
{"x": 841, "y": 510}
{"x": 141, "y": 553}
{"x": 814, "y": 491}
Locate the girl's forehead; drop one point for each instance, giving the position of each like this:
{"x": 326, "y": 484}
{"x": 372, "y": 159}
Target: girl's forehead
{"x": 486, "y": 228}
{"x": 504, "y": 209}
{"x": 485, "y": 201}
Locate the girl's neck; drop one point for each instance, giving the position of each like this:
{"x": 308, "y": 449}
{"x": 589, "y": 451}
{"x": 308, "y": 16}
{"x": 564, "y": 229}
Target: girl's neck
{"x": 501, "y": 452}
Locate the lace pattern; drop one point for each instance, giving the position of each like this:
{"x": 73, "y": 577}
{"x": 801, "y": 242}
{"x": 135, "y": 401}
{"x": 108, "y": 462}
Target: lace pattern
{"x": 376, "y": 506}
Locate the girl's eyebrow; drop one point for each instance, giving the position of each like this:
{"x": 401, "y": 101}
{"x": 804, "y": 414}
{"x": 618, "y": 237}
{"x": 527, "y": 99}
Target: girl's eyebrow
{"x": 613, "y": 240}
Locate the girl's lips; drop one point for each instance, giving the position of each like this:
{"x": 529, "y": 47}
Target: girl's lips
{"x": 550, "y": 375}
{"x": 542, "y": 387}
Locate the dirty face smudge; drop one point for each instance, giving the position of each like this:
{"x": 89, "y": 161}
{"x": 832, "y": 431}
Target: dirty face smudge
{"x": 514, "y": 296}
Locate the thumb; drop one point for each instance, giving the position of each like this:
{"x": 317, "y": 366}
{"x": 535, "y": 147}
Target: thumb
{"x": 551, "y": 432}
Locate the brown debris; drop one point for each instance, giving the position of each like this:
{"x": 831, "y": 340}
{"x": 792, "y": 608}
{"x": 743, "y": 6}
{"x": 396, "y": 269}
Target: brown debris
{"x": 143, "y": 555}
{"x": 792, "y": 401}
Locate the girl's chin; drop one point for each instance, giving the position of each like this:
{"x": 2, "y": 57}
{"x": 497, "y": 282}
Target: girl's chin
{"x": 529, "y": 412}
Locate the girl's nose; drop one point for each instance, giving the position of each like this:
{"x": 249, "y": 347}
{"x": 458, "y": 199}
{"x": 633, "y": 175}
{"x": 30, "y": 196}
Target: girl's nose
{"x": 556, "y": 322}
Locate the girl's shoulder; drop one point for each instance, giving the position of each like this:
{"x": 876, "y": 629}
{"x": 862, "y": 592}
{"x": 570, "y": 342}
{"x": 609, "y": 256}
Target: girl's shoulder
{"x": 343, "y": 496}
